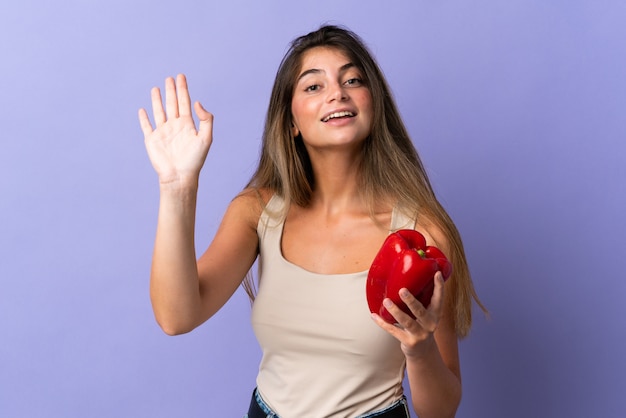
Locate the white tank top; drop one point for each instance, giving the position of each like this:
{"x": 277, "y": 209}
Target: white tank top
{"x": 323, "y": 356}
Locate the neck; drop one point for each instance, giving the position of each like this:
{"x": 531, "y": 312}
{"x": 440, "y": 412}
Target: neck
{"x": 336, "y": 183}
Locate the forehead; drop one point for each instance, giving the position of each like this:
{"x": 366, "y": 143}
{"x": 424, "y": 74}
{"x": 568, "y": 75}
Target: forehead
{"x": 323, "y": 58}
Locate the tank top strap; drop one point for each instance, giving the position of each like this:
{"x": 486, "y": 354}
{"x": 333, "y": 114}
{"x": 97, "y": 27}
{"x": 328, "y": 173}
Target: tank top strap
{"x": 272, "y": 216}
{"x": 400, "y": 220}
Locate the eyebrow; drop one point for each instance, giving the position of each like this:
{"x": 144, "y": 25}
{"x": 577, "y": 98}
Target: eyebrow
{"x": 343, "y": 68}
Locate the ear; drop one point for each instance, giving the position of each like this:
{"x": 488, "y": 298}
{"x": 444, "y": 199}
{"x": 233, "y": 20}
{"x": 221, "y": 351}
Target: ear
{"x": 294, "y": 130}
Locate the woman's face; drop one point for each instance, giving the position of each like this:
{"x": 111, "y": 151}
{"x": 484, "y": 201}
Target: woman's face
{"x": 331, "y": 105}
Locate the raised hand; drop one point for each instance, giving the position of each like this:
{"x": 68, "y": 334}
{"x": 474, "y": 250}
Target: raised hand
{"x": 177, "y": 150}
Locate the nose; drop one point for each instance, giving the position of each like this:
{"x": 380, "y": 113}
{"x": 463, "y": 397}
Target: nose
{"x": 337, "y": 92}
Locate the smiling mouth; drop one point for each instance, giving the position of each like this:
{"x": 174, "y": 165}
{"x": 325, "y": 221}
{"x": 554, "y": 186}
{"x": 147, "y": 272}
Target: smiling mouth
{"x": 337, "y": 115}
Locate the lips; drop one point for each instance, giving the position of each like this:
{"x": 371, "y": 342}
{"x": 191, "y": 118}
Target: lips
{"x": 338, "y": 114}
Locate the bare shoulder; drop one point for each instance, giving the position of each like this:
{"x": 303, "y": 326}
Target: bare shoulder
{"x": 248, "y": 205}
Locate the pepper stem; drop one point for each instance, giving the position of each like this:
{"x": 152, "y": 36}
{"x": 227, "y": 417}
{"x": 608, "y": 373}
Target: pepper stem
{"x": 421, "y": 253}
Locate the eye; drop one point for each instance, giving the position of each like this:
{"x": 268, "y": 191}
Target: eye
{"x": 312, "y": 87}
{"x": 354, "y": 82}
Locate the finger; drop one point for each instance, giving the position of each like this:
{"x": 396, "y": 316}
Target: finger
{"x": 422, "y": 315}
{"x": 415, "y": 306}
{"x": 157, "y": 106}
{"x": 184, "y": 102}
{"x": 171, "y": 102}
{"x": 436, "y": 302}
{"x": 391, "y": 329}
{"x": 402, "y": 318}
{"x": 144, "y": 122}
{"x": 205, "y": 127}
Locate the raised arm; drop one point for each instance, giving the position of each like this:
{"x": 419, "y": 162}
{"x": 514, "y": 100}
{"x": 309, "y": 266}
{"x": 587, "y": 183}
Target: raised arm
{"x": 184, "y": 295}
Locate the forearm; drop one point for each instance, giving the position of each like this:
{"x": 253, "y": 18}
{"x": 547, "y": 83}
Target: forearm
{"x": 435, "y": 389}
{"x": 174, "y": 285}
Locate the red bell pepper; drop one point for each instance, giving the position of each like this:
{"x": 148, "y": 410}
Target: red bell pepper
{"x": 404, "y": 260}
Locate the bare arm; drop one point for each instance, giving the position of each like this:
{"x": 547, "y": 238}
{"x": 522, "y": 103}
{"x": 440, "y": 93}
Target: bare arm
{"x": 430, "y": 346}
{"x": 185, "y": 293}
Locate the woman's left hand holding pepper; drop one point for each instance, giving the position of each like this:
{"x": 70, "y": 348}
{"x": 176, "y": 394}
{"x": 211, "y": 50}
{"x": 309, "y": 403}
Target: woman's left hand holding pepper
{"x": 415, "y": 335}
{"x": 429, "y": 343}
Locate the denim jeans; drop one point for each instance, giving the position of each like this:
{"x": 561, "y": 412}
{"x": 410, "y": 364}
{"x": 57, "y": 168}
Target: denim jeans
{"x": 259, "y": 409}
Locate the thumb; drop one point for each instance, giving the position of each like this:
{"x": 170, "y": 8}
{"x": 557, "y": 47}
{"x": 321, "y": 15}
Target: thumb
{"x": 205, "y": 127}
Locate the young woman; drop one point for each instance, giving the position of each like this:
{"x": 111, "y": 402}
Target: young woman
{"x": 337, "y": 173}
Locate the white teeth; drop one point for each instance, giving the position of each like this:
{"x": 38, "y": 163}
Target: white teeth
{"x": 337, "y": 115}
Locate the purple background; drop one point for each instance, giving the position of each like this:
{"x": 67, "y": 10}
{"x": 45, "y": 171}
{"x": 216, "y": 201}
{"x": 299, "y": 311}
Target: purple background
{"x": 517, "y": 108}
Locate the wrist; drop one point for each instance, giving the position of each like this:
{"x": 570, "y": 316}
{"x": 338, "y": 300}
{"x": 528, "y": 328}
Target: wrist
{"x": 179, "y": 184}
{"x": 423, "y": 351}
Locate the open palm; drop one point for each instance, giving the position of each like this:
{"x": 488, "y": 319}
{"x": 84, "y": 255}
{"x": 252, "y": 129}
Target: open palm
{"x": 177, "y": 150}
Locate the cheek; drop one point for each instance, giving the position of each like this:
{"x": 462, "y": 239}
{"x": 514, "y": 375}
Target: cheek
{"x": 300, "y": 113}
{"x": 296, "y": 111}
{"x": 367, "y": 100}
{"x": 367, "y": 106}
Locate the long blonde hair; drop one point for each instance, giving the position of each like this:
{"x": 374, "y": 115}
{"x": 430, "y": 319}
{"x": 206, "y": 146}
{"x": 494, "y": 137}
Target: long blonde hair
{"x": 390, "y": 169}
